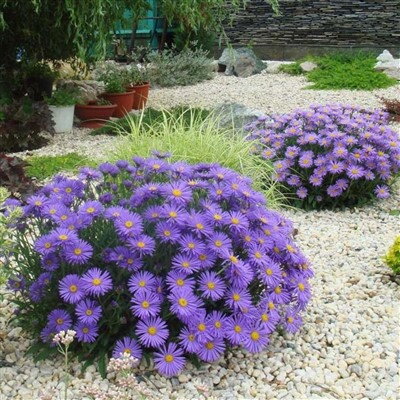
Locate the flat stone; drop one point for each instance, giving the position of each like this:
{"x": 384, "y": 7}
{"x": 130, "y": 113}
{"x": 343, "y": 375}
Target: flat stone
{"x": 308, "y": 66}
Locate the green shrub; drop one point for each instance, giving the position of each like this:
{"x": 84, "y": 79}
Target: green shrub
{"x": 188, "y": 67}
{"x": 43, "y": 167}
{"x": 191, "y": 137}
{"x": 63, "y": 97}
{"x": 392, "y": 258}
{"x": 291, "y": 69}
{"x": 150, "y": 116}
{"x": 348, "y": 71}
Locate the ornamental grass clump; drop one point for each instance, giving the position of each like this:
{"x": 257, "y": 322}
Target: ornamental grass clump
{"x": 392, "y": 258}
{"x": 330, "y": 156}
{"x": 154, "y": 258}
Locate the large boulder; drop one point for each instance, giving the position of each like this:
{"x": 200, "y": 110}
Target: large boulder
{"x": 388, "y": 64}
{"x": 89, "y": 89}
{"x": 241, "y": 62}
{"x": 236, "y": 116}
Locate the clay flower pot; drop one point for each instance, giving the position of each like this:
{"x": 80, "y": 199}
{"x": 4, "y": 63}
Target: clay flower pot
{"x": 124, "y": 102}
{"x": 141, "y": 95}
{"x": 93, "y": 115}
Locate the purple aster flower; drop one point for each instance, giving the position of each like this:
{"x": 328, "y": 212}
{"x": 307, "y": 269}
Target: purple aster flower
{"x": 96, "y": 282}
{"x": 178, "y": 192}
{"x": 145, "y": 304}
{"x": 114, "y": 212}
{"x": 354, "y": 171}
{"x": 16, "y": 283}
{"x": 302, "y": 192}
{"x": 78, "y": 252}
{"x": 334, "y": 191}
{"x": 292, "y": 321}
{"x": 236, "y": 329}
{"x": 382, "y": 192}
{"x": 91, "y": 209}
{"x": 45, "y": 244}
{"x": 89, "y": 174}
{"x": 64, "y": 236}
{"x": 128, "y": 346}
{"x": 176, "y": 280}
{"x": 294, "y": 180}
{"x": 270, "y": 274}
{"x": 211, "y": 285}
{"x": 256, "y": 338}
{"x": 188, "y": 340}
{"x": 143, "y": 244}
{"x": 237, "y": 299}
{"x": 301, "y": 289}
{"x": 206, "y": 259}
{"x": 108, "y": 168}
{"x": 218, "y": 322}
{"x": 184, "y": 303}
{"x": 185, "y": 263}
{"x": 71, "y": 288}
{"x": 279, "y": 295}
{"x": 129, "y": 224}
{"x": 199, "y": 225}
{"x": 238, "y": 222}
{"x": 219, "y": 242}
{"x": 167, "y": 232}
{"x": 174, "y": 214}
{"x": 211, "y": 350}
{"x": 85, "y": 332}
{"x": 60, "y": 320}
{"x": 152, "y": 332}
{"x": 191, "y": 245}
{"x": 169, "y": 360}
{"x": 88, "y": 311}
{"x": 141, "y": 282}
{"x": 47, "y": 334}
{"x": 306, "y": 160}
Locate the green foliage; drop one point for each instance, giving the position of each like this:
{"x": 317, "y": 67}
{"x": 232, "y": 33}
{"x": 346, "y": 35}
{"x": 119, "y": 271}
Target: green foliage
{"x": 172, "y": 68}
{"x": 22, "y": 125}
{"x": 12, "y": 176}
{"x": 43, "y": 167}
{"x": 392, "y": 258}
{"x": 348, "y": 71}
{"x": 191, "y": 137}
{"x": 151, "y": 117}
{"x": 63, "y": 97}
{"x": 291, "y": 69}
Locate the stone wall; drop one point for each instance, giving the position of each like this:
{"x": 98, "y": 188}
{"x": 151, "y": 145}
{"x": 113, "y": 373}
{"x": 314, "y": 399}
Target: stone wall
{"x": 316, "y": 26}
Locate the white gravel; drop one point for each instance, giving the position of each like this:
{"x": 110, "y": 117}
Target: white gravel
{"x": 349, "y": 345}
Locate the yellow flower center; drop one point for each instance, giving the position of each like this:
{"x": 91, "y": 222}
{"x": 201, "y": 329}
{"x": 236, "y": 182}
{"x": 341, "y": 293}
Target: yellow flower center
{"x": 290, "y": 320}
{"x": 219, "y": 191}
{"x": 234, "y": 186}
{"x": 88, "y": 312}
{"x": 73, "y": 288}
{"x": 141, "y": 245}
{"x": 52, "y": 211}
{"x": 167, "y": 233}
{"x": 127, "y": 351}
{"x": 63, "y": 237}
{"x": 247, "y": 238}
{"x": 237, "y": 328}
{"x": 236, "y": 297}
{"x": 234, "y": 221}
{"x": 128, "y": 224}
{"x": 90, "y": 210}
{"x": 264, "y": 317}
{"x": 258, "y": 255}
{"x": 180, "y": 282}
{"x": 96, "y": 281}
{"x": 154, "y": 215}
{"x": 217, "y": 217}
{"x": 233, "y": 259}
{"x": 169, "y": 358}
{"x": 191, "y": 245}
{"x": 142, "y": 283}
{"x": 177, "y": 192}
{"x": 217, "y": 324}
{"x": 199, "y": 226}
{"x": 47, "y": 245}
{"x": 77, "y": 251}
{"x": 38, "y": 203}
{"x": 85, "y": 330}
{"x": 129, "y": 260}
{"x": 271, "y": 305}
{"x": 68, "y": 190}
{"x": 218, "y": 243}
{"x": 269, "y": 271}
{"x": 201, "y": 327}
{"x": 211, "y": 285}
{"x": 182, "y": 302}
{"x": 59, "y": 321}
{"x": 276, "y": 250}
{"x": 301, "y": 287}
{"x": 191, "y": 338}
{"x": 278, "y": 290}
{"x": 173, "y": 214}
{"x": 63, "y": 217}
{"x": 255, "y": 335}
{"x": 152, "y": 330}
{"x": 185, "y": 264}
{"x": 210, "y": 345}
{"x": 145, "y": 304}
{"x": 202, "y": 257}
{"x": 267, "y": 232}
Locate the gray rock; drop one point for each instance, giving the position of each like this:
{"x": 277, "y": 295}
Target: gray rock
{"x": 385, "y": 56}
{"x": 89, "y": 90}
{"x": 308, "y": 66}
{"x": 393, "y": 73}
{"x": 241, "y": 62}
{"x": 236, "y": 115}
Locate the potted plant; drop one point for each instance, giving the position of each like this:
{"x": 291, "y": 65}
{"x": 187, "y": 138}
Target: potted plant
{"x": 139, "y": 83}
{"x": 116, "y": 82}
{"x": 95, "y": 114}
{"x": 39, "y": 80}
{"x": 62, "y": 106}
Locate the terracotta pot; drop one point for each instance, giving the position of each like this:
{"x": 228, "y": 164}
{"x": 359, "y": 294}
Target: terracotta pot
{"x": 94, "y": 116}
{"x": 141, "y": 95}
{"x": 123, "y": 101}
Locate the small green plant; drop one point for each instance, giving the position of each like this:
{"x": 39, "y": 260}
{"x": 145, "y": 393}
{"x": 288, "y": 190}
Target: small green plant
{"x": 137, "y": 75}
{"x": 348, "y": 71}
{"x": 63, "y": 97}
{"x": 292, "y": 69}
{"x": 392, "y": 258}
{"x": 172, "y": 68}
{"x": 43, "y": 167}
{"x": 150, "y": 116}
{"x": 193, "y": 137}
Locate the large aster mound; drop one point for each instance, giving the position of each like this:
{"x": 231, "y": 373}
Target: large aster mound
{"x": 328, "y": 156}
{"x": 156, "y": 258}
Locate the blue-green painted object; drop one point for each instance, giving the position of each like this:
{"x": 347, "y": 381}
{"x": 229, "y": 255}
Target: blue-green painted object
{"x": 149, "y": 27}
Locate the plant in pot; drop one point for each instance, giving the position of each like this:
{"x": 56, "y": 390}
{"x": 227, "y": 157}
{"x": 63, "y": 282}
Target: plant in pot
{"x": 95, "y": 113}
{"x": 62, "y": 106}
{"x": 139, "y": 83}
{"x": 38, "y": 80}
{"x": 116, "y": 83}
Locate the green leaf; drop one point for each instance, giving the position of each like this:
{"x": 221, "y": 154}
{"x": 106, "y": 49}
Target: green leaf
{"x": 102, "y": 364}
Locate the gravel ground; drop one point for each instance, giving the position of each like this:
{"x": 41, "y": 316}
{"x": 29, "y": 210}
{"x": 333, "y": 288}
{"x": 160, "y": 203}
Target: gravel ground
{"x": 349, "y": 345}
{"x": 347, "y": 349}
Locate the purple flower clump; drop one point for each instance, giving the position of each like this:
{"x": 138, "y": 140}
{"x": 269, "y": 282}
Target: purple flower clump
{"x": 182, "y": 261}
{"x": 333, "y": 155}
